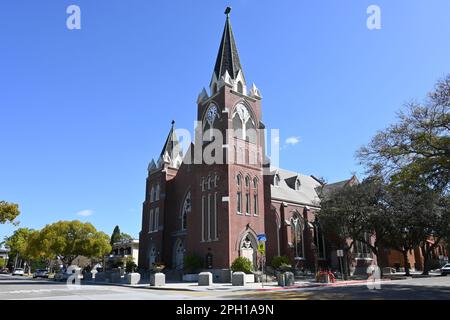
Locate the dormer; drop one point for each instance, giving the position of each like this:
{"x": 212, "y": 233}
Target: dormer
{"x": 294, "y": 183}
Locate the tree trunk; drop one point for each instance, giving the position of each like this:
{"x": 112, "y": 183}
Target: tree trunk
{"x": 426, "y": 260}
{"x": 406, "y": 262}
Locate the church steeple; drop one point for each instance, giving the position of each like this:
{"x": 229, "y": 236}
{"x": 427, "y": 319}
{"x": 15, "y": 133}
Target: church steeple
{"x": 228, "y": 69}
{"x": 227, "y": 57}
{"x": 171, "y": 152}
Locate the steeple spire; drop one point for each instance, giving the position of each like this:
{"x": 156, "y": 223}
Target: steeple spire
{"x": 171, "y": 152}
{"x": 228, "y": 57}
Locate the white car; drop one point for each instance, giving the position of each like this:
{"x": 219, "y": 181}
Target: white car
{"x": 18, "y": 272}
{"x": 445, "y": 270}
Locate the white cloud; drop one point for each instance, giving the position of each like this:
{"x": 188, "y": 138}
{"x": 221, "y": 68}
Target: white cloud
{"x": 292, "y": 140}
{"x": 85, "y": 213}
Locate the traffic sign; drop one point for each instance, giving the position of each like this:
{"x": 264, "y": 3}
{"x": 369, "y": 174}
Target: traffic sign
{"x": 262, "y": 237}
{"x": 340, "y": 253}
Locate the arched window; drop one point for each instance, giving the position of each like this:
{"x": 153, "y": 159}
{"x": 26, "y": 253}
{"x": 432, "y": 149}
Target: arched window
{"x": 244, "y": 126}
{"x": 156, "y": 220}
{"x": 157, "y": 192}
{"x": 247, "y": 195}
{"x": 319, "y": 239}
{"x": 297, "y": 227}
{"x": 216, "y": 181}
{"x": 237, "y": 126}
{"x": 150, "y": 221}
{"x": 152, "y": 194}
{"x": 250, "y": 132}
{"x": 185, "y": 210}
{"x": 240, "y": 87}
{"x": 239, "y": 194}
{"x": 203, "y": 184}
{"x": 209, "y": 182}
{"x": 361, "y": 248}
{"x": 255, "y": 197}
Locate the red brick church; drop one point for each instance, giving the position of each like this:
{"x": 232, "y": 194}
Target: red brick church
{"x": 217, "y": 210}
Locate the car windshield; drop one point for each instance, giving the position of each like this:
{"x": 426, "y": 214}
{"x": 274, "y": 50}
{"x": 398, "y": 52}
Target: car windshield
{"x": 447, "y": 265}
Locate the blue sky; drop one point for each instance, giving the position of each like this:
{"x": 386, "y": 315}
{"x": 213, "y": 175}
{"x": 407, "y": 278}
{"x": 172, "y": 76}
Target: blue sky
{"x": 84, "y": 111}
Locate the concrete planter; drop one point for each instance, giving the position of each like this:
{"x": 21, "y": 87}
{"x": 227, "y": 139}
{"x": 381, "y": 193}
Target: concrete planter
{"x": 205, "y": 279}
{"x": 133, "y": 278}
{"x": 190, "y": 277}
{"x": 157, "y": 279}
{"x": 238, "y": 279}
{"x": 249, "y": 278}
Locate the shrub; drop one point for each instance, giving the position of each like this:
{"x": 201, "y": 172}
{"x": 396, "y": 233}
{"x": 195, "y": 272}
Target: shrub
{"x": 278, "y": 261}
{"x": 130, "y": 265}
{"x": 192, "y": 263}
{"x": 242, "y": 264}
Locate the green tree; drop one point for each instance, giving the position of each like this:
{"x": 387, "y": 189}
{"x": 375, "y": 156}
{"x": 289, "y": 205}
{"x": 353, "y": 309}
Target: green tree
{"x": 69, "y": 239}
{"x": 8, "y": 212}
{"x": 417, "y": 147}
{"x": 435, "y": 219}
{"x": 116, "y": 235}
{"x": 351, "y": 213}
{"x": 125, "y": 236}
{"x": 18, "y": 244}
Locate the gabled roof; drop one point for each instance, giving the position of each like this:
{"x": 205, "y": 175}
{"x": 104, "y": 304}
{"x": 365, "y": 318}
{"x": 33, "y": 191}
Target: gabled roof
{"x": 286, "y": 190}
{"x": 228, "y": 57}
{"x": 310, "y": 187}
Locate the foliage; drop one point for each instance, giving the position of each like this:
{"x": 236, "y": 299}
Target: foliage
{"x": 115, "y": 237}
{"x": 18, "y": 242}
{"x": 118, "y": 236}
{"x": 2, "y": 262}
{"x": 278, "y": 261}
{"x": 130, "y": 265}
{"x": 192, "y": 263}
{"x": 242, "y": 264}
{"x": 417, "y": 148}
{"x": 348, "y": 212}
{"x": 8, "y": 212}
{"x": 69, "y": 239}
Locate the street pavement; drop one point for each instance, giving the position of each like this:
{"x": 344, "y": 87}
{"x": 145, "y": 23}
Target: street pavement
{"x": 15, "y": 288}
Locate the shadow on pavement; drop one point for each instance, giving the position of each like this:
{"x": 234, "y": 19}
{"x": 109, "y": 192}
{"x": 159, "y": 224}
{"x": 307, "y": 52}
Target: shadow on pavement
{"x": 387, "y": 292}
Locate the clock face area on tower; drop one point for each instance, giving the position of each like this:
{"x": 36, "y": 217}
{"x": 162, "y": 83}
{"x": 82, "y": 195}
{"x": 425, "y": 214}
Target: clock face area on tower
{"x": 211, "y": 114}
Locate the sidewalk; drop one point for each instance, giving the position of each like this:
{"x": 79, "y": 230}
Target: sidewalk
{"x": 269, "y": 286}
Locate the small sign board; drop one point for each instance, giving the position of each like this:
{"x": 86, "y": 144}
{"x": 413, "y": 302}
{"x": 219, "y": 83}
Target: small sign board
{"x": 262, "y": 248}
{"x": 340, "y": 253}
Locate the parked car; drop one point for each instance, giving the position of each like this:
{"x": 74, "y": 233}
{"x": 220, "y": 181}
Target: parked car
{"x": 4, "y": 271}
{"x": 445, "y": 270}
{"x": 40, "y": 273}
{"x": 18, "y": 272}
